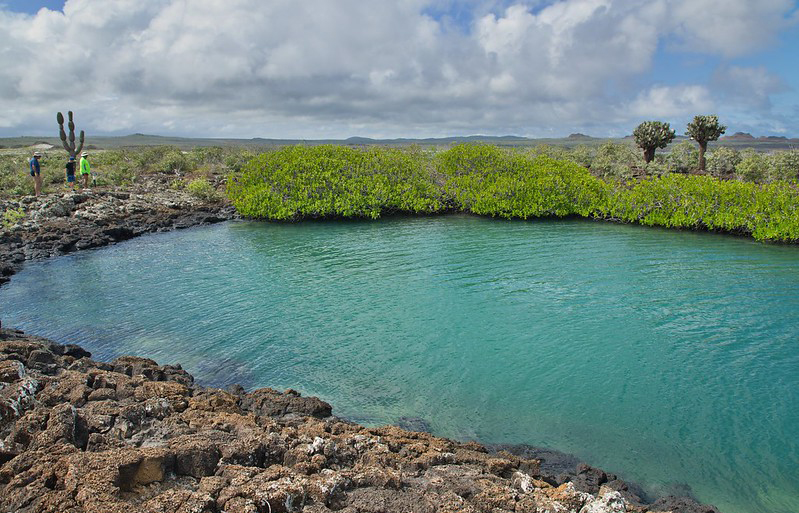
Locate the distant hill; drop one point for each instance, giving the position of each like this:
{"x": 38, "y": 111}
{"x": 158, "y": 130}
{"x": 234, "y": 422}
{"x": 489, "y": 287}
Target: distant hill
{"x": 738, "y": 136}
{"x": 737, "y": 140}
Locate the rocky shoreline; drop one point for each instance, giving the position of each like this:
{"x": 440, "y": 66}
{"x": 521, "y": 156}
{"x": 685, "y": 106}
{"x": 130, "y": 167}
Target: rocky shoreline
{"x": 57, "y": 224}
{"x": 77, "y": 435}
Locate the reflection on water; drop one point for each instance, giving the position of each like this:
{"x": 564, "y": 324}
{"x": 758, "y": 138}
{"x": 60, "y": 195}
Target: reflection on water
{"x": 666, "y": 357}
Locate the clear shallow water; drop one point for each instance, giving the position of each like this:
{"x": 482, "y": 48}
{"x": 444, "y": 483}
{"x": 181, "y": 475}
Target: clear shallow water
{"x": 666, "y": 357}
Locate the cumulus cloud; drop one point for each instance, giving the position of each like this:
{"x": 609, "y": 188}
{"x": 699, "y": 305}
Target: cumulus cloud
{"x": 322, "y": 68}
{"x": 732, "y": 28}
{"x": 672, "y": 101}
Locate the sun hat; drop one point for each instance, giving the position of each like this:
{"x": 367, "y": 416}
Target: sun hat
{"x": 37, "y": 154}
{"x": 84, "y": 154}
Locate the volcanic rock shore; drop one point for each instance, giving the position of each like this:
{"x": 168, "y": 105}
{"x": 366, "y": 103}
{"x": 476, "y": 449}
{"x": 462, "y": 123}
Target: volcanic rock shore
{"x": 78, "y": 435}
{"x": 57, "y": 224}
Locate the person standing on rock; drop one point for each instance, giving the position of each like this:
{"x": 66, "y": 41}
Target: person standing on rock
{"x": 70, "y": 171}
{"x": 36, "y": 173}
{"x": 85, "y": 169}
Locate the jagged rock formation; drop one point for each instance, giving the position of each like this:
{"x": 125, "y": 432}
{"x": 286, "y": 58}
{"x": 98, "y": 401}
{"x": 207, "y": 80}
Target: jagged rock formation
{"x": 57, "y": 224}
{"x": 78, "y": 435}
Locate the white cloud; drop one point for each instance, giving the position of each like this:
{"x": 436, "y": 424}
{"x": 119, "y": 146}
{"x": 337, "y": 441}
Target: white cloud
{"x": 731, "y": 28}
{"x": 333, "y": 68}
{"x": 661, "y": 102}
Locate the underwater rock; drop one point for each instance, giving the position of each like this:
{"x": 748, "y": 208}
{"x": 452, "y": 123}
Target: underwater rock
{"x": 132, "y": 435}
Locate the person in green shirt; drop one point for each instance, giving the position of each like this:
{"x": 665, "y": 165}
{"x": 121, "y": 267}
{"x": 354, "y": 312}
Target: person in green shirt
{"x": 85, "y": 169}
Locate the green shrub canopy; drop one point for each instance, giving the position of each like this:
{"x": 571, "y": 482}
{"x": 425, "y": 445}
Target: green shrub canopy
{"x": 300, "y": 182}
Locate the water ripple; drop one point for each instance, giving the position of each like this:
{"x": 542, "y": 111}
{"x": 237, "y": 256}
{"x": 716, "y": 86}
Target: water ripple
{"x": 668, "y": 357}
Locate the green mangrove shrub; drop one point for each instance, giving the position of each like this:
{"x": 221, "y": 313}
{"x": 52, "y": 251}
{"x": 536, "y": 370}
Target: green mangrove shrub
{"x": 769, "y": 212}
{"x": 334, "y": 181}
{"x": 487, "y": 180}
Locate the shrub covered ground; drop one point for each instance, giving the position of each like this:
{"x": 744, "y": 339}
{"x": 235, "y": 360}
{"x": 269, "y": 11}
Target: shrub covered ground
{"x": 334, "y": 181}
{"x": 743, "y": 192}
{"x": 120, "y": 167}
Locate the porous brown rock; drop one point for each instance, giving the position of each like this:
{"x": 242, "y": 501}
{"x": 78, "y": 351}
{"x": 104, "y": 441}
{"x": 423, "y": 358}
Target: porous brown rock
{"x": 78, "y": 435}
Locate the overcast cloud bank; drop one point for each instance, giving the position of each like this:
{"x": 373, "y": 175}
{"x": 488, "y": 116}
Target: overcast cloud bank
{"x": 390, "y": 68}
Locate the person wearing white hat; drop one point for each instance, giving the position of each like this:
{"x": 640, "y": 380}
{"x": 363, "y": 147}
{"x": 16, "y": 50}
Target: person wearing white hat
{"x": 85, "y": 169}
{"x": 36, "y": 173}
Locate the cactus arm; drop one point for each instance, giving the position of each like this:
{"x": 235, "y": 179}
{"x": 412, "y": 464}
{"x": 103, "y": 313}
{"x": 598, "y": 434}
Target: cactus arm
{"x": 71, "y": 131}
{"x": 80, "y": 148}
{"x": 62, "y": 135}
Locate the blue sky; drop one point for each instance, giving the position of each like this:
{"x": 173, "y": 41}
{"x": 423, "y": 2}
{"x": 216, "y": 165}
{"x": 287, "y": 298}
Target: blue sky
{"x": 397, "y": 68}
{"x": 32, "y": 6}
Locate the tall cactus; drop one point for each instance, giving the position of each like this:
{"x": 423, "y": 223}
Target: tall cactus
{"x": 69, "y": 145}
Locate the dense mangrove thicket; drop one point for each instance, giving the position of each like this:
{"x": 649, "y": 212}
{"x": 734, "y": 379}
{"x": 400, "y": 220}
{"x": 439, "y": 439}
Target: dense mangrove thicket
{"x": 334, "y": 181}
{"x": 767, "y": 212}
{"x": 486, "y": 180}
{"x": 300, "y": 182}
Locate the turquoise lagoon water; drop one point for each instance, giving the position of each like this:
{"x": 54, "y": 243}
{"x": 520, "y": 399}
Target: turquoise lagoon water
{"x": 670, "y": 358}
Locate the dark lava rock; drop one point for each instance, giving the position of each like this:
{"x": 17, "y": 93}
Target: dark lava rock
{"x": 266, "y": 401}
{"x": 56, "y": 224}
{"x": 681, "y": 505}
{"x": 414, "y": 424}
{"x": 553, "y": 463}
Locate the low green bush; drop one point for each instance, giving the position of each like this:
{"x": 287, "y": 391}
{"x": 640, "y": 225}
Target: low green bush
{"x": 753, "y": 166}
{"x": 683, "y": 157}
{"x": 174, "y": 161}
{"x": 783, "y": 165}
{"x": 202, "y": 189}
{"x": 14, "y": 178}
{"x": 722, "y": 161}
{"x": 582, "y": 155}
{"x": 617, "y": 161}
{"x": 12, "y": 216}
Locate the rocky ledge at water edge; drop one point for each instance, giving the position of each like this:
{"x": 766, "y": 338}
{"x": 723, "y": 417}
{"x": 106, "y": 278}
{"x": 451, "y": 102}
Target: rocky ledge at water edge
{"x": 56, "y": 224}
{"x": 77, "y": 435}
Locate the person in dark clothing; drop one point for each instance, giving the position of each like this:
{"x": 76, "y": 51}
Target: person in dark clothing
{"x": 70, "y": 171}
{"x": 36, "y": 173}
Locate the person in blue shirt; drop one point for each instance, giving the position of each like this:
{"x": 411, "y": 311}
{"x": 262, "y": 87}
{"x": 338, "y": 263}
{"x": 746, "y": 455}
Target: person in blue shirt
{"x": 36, "y": 173}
